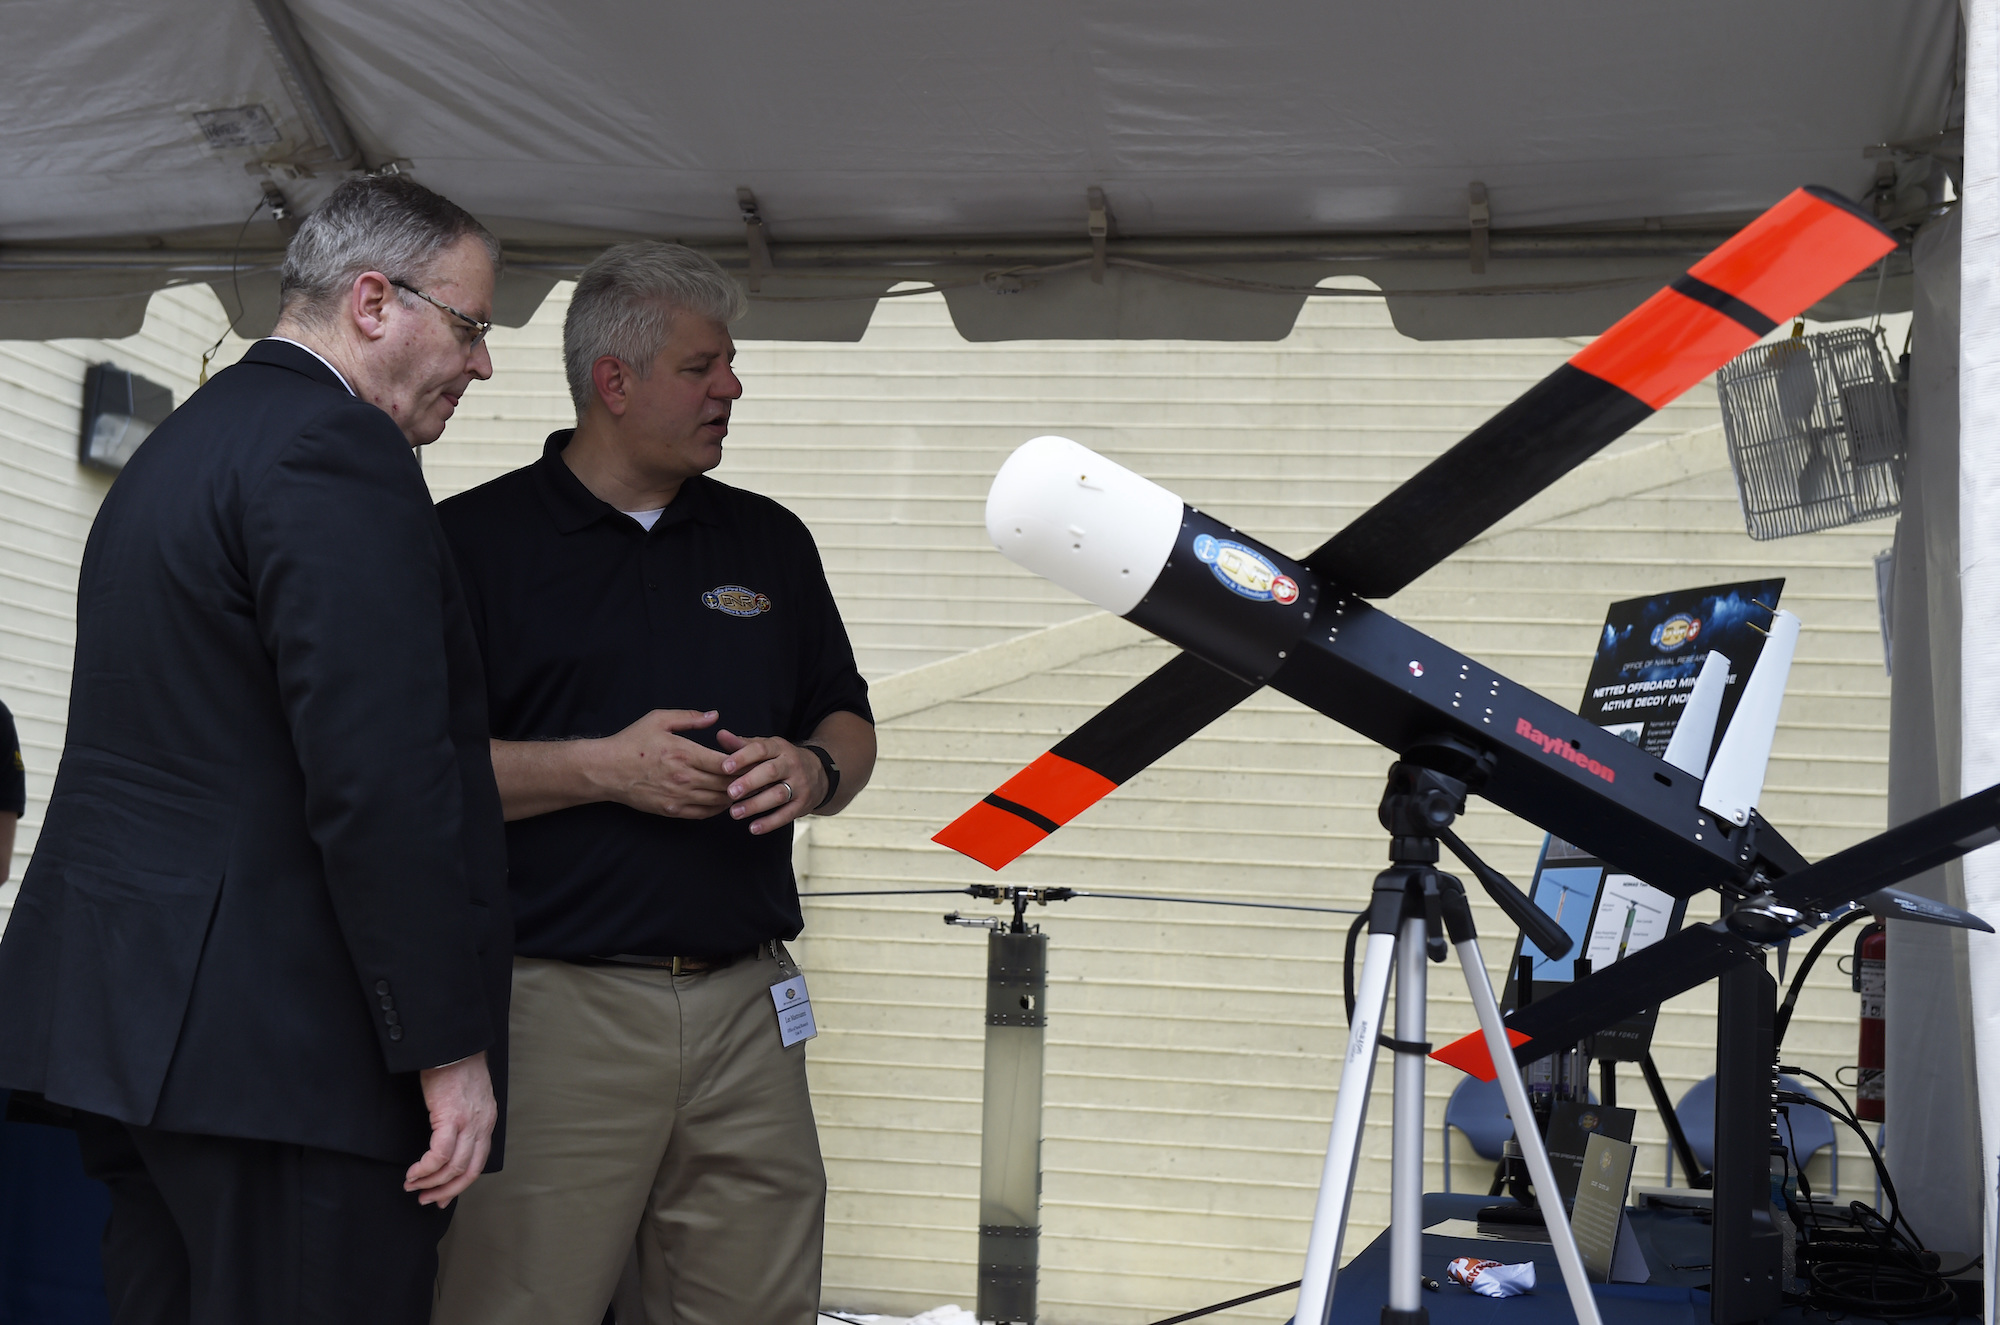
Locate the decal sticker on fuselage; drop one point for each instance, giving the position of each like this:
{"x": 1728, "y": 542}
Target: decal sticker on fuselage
{"x": 1244, "y": 571}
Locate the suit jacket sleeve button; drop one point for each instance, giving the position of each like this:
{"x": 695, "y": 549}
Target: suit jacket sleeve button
{"x": 392, "y": 1019}
{"x": 382, "y": 987}
{"x": 395, "y": 1032}
{"x": 387, "y": 1002}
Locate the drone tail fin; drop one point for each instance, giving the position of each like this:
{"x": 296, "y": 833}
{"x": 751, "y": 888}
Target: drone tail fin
{"x": 1470, "y": 1055}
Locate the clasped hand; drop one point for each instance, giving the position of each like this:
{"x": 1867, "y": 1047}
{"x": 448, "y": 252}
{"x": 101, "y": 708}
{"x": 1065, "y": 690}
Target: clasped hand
{"x": 650, "y": 766}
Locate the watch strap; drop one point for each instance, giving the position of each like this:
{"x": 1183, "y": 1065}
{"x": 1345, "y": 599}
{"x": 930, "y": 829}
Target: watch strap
{"x": 832, "y": 773}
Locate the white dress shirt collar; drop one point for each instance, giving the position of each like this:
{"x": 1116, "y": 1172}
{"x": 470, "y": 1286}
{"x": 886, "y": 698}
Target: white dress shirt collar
{"x": 322, "y": 358}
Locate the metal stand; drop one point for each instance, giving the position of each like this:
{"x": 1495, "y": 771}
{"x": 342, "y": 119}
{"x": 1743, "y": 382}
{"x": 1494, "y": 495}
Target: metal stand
{"x": 1412, "y": 902}
{"x": 1749, "y": 1261}
{"x": 1010, "y": 1159}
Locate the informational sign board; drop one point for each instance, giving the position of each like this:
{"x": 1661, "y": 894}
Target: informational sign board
{"x": 1648, "y": 655}
{"x": 1604, "y": 1236}
{"x": 1571, "y": 1126}
{"x": 1651, "y": 650}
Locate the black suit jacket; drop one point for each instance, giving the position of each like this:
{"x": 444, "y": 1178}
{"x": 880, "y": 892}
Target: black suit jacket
{"x": 271, "y": 883}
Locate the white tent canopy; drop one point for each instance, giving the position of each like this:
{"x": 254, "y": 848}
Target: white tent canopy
{"x": 883, "y": 142}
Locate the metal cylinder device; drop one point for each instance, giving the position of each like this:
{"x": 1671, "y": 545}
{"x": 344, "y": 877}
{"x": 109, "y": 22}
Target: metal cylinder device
{"x": 1010, "y": 1161}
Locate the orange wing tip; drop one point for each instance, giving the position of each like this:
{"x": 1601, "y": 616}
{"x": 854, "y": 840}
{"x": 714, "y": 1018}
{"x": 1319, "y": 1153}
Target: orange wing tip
{"x": 989, "y": 835}
{"x": 1795, "y": 255}
{"x": 1469, "y": 1054}
{"x": 1056, "y": 788}
{"x": 1776, "y": 267}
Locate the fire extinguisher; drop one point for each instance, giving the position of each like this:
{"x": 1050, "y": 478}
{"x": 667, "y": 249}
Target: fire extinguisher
{"x": 1871, "y": 981}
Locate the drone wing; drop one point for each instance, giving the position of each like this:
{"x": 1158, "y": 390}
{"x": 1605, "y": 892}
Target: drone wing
{"x": 1700, "y": 953}
{"x": 1776, "y": 267}
{"x": 1140, "y": 726}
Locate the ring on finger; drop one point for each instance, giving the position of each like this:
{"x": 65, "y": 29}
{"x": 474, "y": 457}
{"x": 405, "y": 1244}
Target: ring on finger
{"x": 789, "y": 793}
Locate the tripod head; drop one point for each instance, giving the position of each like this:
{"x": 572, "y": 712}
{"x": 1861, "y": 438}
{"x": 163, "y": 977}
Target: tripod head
{"x": 1425, "y": 795}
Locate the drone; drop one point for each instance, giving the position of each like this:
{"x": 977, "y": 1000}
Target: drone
{"x": 1246, "y": 616}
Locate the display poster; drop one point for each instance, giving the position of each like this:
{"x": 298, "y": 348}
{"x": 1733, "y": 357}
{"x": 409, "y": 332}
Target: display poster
{"x": 1651, "y": 650}
{"x": 1649, "y": 653}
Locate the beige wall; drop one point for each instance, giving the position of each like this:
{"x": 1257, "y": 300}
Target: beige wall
{"x": 47, "y": 501}
{"x": 1192, "y": 1050}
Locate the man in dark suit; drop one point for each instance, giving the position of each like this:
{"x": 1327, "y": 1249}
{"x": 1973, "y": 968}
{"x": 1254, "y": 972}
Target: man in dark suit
{"x": 263, "y": 947}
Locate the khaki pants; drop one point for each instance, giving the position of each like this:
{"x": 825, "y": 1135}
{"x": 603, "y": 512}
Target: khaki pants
{"x": 650, "y": 1110}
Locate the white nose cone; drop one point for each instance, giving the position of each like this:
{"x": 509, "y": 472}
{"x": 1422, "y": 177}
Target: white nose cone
{"x": 1069, "y": 515}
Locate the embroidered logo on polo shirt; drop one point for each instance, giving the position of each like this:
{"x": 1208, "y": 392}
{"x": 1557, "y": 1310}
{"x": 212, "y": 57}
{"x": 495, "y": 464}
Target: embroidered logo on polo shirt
{"x": 735, "y": 600}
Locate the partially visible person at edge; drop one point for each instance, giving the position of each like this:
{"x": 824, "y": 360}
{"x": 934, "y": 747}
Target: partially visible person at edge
{"x": 261, "y": 955}
{"x": 13, "y": 791}
{"x": 671, "y": 688}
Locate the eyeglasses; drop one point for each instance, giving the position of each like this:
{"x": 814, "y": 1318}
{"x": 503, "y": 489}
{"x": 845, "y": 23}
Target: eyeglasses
{"x": 477, "y": 327}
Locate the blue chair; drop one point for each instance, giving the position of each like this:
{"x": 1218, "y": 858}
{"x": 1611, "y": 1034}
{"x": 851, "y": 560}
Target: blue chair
{"x": 51, "y": 1222}
{"x": 1477, "y": 1109}
{"x": 1805, "y": 1130}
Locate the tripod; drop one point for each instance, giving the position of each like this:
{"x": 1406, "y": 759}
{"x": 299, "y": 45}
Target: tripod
{"x": 1413, "y": 908}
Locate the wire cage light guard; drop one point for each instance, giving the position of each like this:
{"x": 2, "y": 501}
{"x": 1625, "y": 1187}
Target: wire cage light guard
{"x": 1815, "y": 432}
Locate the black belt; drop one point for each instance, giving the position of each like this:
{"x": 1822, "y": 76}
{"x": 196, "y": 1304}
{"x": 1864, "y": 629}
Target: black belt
{"x": 678, "y": 965}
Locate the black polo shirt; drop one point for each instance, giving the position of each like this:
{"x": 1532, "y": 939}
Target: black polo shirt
{"x": 13, "y": 773}
{"x": 588, "y": 622}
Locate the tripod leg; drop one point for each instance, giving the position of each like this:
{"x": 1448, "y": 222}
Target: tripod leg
{"x": 1406, "y": 1164}
{"x": 1537, "y": 1156}
{"x": 1343, "y": 1146}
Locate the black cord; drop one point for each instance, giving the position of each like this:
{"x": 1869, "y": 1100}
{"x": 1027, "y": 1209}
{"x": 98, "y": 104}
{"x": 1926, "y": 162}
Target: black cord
{"x": 1882, "y": 1281}
{"x": 1881, "y": 1169}
{"x": 235, "y": 252}
{"x": 1784, "y": 1017}
{"x": 1853, "y": 1120}
{"x": 1232, "y": 1302}
{"x": 1347, "y": 962}
{"x": 1888, "y": 1282}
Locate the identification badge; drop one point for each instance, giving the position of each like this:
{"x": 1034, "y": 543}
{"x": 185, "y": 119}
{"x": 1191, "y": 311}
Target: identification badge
{"x": 795, "y": 1011}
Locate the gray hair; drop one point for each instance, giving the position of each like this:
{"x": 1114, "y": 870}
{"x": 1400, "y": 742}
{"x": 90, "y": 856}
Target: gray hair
{"x": 624, "y": 306}
{"x": 393, "y": 225}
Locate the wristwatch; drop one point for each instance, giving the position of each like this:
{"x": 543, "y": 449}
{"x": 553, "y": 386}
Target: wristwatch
{"x": 832, "y": 773}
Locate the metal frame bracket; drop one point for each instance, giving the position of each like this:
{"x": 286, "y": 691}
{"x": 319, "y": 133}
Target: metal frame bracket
{"x": 1480, "y": 215}
{"x": 1100, "y": 231}
{"x": 754, "y": 236}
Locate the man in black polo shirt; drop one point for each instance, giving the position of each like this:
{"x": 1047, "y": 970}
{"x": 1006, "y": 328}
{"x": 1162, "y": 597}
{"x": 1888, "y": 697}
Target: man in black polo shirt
{"x": 670, "y": 687}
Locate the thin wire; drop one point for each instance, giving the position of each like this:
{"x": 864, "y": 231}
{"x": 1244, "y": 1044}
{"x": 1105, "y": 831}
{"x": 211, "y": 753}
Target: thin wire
{"x": 1215, "y": 901}
{"x": 235, "y": 252}
{"x": 895, "y": 892}
{"x": 1124, "y": 897}
{"x": 1881, "y": 277}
